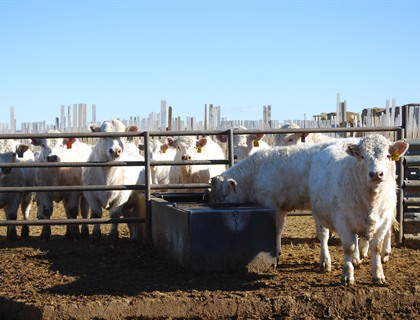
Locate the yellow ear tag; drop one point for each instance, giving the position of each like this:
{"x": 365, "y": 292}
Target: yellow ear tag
{"x": 395, "y": 156}
{"x": 163, "y": 149}
{"x": 199, "y": 149}
{"x": 256, "y": 143}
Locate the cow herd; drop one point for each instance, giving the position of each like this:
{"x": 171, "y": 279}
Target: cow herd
{"x": 349, "y": 184}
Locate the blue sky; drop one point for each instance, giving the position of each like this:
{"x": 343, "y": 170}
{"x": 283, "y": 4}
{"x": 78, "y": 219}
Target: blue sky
{"x": 127, "y": 56}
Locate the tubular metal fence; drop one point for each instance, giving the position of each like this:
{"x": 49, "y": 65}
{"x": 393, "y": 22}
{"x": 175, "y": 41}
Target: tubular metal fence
{"x": 395, "y": 132}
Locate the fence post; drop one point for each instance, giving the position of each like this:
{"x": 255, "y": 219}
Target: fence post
{"x": 400, "y": 191}
{"x": 147, "y": 178}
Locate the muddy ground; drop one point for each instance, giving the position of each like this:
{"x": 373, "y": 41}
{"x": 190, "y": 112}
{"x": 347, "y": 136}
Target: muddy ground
{"x": 68, "y": 279}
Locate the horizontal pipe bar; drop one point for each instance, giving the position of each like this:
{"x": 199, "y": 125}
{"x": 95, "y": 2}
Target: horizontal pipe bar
{"x": 189, "y": 132}
{"x": 103, "y": 187}
{"x": 412, "y": 183}
{"x": 72, "y": 188}
{"x": 412, "y": 160}
{"x": 109, "y": 164}
{"x": 43, "y": 222}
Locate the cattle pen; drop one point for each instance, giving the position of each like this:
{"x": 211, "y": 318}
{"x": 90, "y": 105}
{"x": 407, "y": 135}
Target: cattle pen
{"x": 407, "y": 172}
{"x": 148, "y": 187}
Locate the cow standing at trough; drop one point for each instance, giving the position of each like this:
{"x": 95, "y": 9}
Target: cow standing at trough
{"x": 244, "y": 145}
{"x": 192, "y": 148}
{"x": 353, "y": 191}
{"x": 119, "y": 202}
{"x": 12, "y": 151}
{"x": 275, "y": 178}
{"x": 54, "y": 150}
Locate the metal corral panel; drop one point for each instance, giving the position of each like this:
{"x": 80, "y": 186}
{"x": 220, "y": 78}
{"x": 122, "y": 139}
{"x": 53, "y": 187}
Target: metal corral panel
{"x": 411, "y": 191}
{"x": 216, "y": 239}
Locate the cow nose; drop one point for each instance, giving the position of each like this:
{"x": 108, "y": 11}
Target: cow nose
{"x": 186, "y": 157}
{"x": 52, "y": 158}
{"x": 117, "y": 151}
{"x": 376, "y": 175}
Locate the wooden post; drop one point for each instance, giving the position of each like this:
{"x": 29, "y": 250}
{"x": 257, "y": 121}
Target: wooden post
{"x": 205, "y": 117}
{"x": 211, "y": 116}
{"x": 162, "y": 115}
{"x": 169, "y": 119}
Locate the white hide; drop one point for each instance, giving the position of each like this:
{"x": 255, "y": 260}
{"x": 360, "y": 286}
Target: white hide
{"x": 12, "y": 151}
{"x": 353, "y": 192}
{"x": 289, "y": 139}
{"x": 53, "y": 150}
{"x": 159, "y": 151}
{"x": 275, "y": 178}
{"x": 118, "y": 202}
{"x": 245, "y": 145}
{"x": 191, "y": 148}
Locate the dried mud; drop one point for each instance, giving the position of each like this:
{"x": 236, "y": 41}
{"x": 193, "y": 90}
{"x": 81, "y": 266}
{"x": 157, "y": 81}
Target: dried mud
{"x": 68, "y": 279}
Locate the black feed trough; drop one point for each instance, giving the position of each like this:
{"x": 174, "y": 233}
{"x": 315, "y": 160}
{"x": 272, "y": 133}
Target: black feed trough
{"x": 205, "y": 238}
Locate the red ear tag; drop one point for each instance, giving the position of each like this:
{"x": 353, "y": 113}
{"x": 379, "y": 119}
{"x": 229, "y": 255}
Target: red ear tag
{"x": 69, "y": 144}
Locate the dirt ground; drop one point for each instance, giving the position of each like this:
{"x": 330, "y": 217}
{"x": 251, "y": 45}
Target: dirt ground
{"x": 69, "y": 279}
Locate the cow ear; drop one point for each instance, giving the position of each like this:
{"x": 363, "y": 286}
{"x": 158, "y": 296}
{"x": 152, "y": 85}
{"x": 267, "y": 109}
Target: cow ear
{"x": 202, "y": 142}
{"x": 94, "y": 128}
{"x": 69, "y": 142}
{"x": 21, "y": 149}
{"x": 233, "y": 184}
{"x": 132, "y": 129}
{"x": 353, "y": 150}
{"x": 304, "y": 136}
{"x": 36, "y": 142}
{"x": 398, "y": 148}
{"x": 171, "y": 141}
{"x": 221, "y": 137}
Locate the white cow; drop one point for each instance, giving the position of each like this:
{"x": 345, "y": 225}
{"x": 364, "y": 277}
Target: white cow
{"x": 275, "y": 178}
{"x": 53, "y": 150}
{"x": 191, "y": 148}
{"x": 118, "y": 202}
{"x": 159, "y": 151}
{"x": 353, "y": 191}
{"x": 288, "y": 139}
{"x": 245, "y": 145}
{"x": 12, "y": 151}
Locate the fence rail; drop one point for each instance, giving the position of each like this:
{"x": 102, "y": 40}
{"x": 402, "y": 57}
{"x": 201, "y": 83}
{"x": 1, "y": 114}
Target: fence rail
{"x": 398, "y": 132}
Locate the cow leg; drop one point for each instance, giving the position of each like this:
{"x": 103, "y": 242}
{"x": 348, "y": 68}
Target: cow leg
{"x": 363, "y": 248}
{"x": 386, "y": 250}
{"x": 84, "y": 210}
{"x": 71, "y": 206}
{"x": 26, "y": 210}
{"x": 349, "y": 243}
{"x": 11, "y": 210}
{"x": 96, "y": 232}
{"x": 281, "y": 217}
{"x": 115, "y": 213}
{"x": 376, "y": 245}
{"x": 324, "y": 257}
{"x": 45, "y": 209}
{"x": 11, "y": 214}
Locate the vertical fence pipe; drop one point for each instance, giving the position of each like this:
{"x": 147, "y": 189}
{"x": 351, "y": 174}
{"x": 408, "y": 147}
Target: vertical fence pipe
{"x": 400, "y": 191}
{"x": 231, "y": 158}
{"x": 147, "y": 178}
